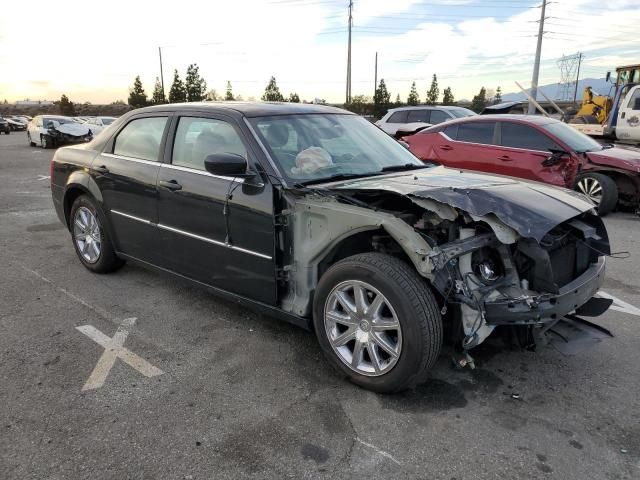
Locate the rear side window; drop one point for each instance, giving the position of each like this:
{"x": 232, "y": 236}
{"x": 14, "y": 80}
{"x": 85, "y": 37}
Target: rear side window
{"x": 476, "y": 132}
{"x": 438, "y": 117}
{"x": 516, "y": 135}
{"x": 418, "y": 116}
{"x": 398, "y": 117}
{"x": 141, "y": 138}
{"x": 197, "y": 138}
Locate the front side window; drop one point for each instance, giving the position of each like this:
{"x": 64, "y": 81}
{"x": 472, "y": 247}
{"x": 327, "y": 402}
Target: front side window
{"x": 197, "y": 138}
{"x": 317, "y": 147}
{"x": 438, "y": 117}
{"x": 141, "y": 138}
{"x": 476, "y": 132}
{"x": 634, "y": 101}
{"x": 421, "y": 116}
{"x": 575, "y": 140}
{"x": 516, "y": 135}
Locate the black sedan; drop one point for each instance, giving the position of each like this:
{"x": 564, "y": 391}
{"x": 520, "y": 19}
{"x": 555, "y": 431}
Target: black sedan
{"x": 313, "y": 215}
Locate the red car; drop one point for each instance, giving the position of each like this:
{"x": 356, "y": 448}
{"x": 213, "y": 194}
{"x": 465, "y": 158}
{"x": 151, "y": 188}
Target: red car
{"x": 534, "y": 148}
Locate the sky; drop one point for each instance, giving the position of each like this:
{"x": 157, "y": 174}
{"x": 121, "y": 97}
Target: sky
{"x": 93, "y": 51}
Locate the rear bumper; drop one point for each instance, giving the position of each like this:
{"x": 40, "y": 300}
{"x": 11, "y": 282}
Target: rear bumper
{"x": 547, "y": 307}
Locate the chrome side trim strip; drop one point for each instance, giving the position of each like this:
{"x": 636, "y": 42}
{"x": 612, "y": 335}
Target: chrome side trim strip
{"x": 192, "y": 235}
{"x": 201, "y": 172}
{"x": 132, "y": 217}
{"x": 131, "y": 159}
{"x": 215, "y": 242}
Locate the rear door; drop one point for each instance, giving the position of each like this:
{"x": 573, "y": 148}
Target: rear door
{"x": 628, "y": 127}
{"x": 126, "y": 173}
{"x": 215, "y": 229}
{"x": 522, "y": 151}
{"x": 469, "y": 145}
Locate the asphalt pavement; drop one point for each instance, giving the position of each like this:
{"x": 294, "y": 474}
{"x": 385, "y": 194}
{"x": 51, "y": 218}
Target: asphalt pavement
{"x": 193, "y": 387}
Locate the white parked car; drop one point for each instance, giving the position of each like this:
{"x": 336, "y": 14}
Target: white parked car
{"x": 97, "y": 124}
{"x": 54, "y": 130}
{"x": 409, "y": 120}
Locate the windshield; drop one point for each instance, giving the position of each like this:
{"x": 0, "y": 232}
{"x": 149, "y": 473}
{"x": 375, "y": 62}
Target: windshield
{"x": 462, "y": 112}
{"x": 314, "y": 147}
{"x": 575, "y": 140}
{"x": 107, "y": 121}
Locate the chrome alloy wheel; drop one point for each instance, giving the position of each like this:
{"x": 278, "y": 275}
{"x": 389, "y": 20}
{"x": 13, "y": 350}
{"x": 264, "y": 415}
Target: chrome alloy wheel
{"x": 591, "y": 188}
{"x": 362, "y": 328}
{"x": 86, "y": 231}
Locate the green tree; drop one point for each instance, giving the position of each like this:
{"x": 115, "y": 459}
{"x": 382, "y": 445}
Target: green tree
{"x": 158, "y": 97}
{"x": 137, "y": 96}
{"x": 229, "y": 95}
{"x": 195, "y": 85}
{"x": 434, "y": 91}
{"x": 294, "y": 98}
{"x": 413, "y": 98}
{"x": 360, "y": 104}
{"x": 479, "y": 101}
{"x": 497, "y": 98}
{"x": 272, "y": 92}
{"x": 381, "y": 100}
{"x": 66, "y": 106}
{"x": 178, "y": 92}
{"x": 398, "y": 101}
{"x": 447, "y": 97}
{"x": 5, "y": 102}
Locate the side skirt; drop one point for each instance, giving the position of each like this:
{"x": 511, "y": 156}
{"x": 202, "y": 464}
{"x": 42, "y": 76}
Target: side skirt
{"x": 259, "y": 307}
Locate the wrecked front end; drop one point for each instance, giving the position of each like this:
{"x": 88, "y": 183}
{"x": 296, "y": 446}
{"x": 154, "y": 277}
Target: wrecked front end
{"x": 69, "y": 133}
{"x": 498, "y": 252}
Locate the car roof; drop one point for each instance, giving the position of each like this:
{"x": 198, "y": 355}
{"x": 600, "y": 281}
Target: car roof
{"x": 249, "y": 109}
{"x": 430, "y": 107}
{"x": 530, "y": 119}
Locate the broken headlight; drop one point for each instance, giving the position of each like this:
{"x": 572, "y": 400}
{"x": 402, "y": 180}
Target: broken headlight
{"x": 487, "y": 265}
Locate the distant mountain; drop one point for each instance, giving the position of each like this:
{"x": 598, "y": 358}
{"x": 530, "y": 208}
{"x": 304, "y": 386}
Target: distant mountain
{"x": 552, "y": 90}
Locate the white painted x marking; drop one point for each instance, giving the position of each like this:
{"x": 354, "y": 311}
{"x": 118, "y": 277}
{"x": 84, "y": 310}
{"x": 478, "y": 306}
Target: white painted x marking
{"x": 620, "y": 305}
{"x": 114, "y": 349}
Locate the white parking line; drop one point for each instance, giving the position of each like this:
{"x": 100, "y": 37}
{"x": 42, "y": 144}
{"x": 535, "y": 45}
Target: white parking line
{"x": 44, "y": 177}
{"x": 620, "y": 305}
{"x": 114, "y": 349}
{"x": 380, "y": 452}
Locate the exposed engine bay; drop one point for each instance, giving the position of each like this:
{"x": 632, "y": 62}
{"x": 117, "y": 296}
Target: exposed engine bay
{"x": 491, "y": 261}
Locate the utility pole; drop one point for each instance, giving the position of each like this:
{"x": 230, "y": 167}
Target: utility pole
{"x": 348, "y": 99}
{"x": 161, "y": 74}
{"x": 536, "y": 65}
{"x": 575, "y": 92}
{"x": 375, "y": 77}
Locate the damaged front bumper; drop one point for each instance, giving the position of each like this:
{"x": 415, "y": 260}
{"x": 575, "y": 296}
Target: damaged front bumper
{"x": 542, "y": 308}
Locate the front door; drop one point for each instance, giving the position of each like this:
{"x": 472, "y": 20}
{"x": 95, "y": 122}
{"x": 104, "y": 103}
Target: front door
{"x": 628, "y": 127}
{"x": 216, "y": 230}
{"x": 126, "y": 175}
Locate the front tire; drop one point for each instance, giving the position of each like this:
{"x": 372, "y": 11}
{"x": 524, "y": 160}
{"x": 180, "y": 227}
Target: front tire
{"x": 377, "y": 322}
{"x": 31, "y": 142}
{"x": 91, "y": 236}
{"x": 600, "y": 189}
{"x": 45, "y": 141}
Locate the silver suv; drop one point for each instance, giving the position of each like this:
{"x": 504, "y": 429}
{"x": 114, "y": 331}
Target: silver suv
{"x": 408, "y": 120}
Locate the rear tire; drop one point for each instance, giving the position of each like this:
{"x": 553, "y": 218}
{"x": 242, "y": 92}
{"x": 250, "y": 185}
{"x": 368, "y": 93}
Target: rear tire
{"x": 600, "y": 189}
{"x": 91, "y": 236}
{"x": 407, "y": 309}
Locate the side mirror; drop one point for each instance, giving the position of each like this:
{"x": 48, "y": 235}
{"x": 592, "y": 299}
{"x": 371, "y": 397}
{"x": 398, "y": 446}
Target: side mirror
{"x": 555, "y": 157}
{"x": 608, "y": 77}
{"x": 227, "y": 165}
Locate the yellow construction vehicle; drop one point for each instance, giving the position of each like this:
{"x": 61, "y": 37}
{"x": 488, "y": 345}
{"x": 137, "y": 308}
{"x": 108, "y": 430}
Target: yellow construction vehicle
{"x": 597, "y": 107}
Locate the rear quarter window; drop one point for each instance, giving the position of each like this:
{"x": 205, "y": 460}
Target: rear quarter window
{"x": 398, "y": 117}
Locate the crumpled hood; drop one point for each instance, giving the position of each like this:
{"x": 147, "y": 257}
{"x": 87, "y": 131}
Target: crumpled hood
{"x": 531, "y": 209}
{"x": 72, "y": 128}
{"x": 617, "y": 157}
